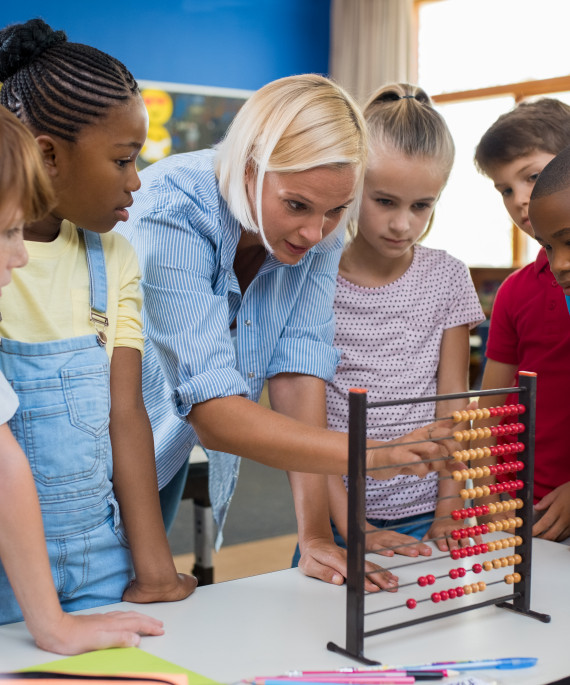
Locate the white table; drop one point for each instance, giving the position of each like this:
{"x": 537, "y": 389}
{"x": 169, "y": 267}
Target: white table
{"x": 280, "y": 621}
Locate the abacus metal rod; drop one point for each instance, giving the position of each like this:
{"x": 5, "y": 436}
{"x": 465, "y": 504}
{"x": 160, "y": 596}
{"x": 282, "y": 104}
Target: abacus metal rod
{"x": 452, "y": 396}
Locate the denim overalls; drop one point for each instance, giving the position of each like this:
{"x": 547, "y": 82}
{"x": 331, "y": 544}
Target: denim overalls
{"x": 62, "y": 425}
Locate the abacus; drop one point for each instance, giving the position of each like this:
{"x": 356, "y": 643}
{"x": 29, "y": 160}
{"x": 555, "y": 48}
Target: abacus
{"x": 429, "y": 592}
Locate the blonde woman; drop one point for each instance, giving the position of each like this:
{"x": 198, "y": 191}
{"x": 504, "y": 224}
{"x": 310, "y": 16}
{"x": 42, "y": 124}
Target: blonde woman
{"x": 239, "y": 249}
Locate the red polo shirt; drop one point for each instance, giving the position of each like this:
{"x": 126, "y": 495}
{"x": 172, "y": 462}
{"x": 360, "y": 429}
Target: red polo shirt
{"x": 530, "y": 328}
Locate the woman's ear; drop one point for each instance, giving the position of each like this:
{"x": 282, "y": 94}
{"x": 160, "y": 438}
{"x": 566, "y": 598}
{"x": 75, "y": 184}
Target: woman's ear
{"x": 48, "y": 149}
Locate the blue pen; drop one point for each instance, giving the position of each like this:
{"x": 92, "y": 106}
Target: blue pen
{"x": 515, "y": 662}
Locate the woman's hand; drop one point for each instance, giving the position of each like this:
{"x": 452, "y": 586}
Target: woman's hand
{"x": 323, "y": 559}
{"x": 423, "y": 450}
{"x": 388, "y": 542}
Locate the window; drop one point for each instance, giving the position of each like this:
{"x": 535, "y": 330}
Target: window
{"x": 477, "y": 58}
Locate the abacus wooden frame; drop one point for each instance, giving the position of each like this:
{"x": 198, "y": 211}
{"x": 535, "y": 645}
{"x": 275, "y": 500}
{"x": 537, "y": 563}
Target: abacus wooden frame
{"x": 518, "y": 601}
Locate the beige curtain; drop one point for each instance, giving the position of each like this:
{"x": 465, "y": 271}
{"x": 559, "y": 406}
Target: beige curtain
{"x": 371, "y": 44}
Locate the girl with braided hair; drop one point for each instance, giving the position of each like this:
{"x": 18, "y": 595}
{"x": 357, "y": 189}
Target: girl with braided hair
{"x": 71, "y": 330}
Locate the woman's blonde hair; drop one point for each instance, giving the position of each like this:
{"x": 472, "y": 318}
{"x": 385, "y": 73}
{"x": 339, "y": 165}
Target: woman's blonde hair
{"x": 24, "y": 183}
{"x": 401, "y": 116}
{"x": 292, "y": 124}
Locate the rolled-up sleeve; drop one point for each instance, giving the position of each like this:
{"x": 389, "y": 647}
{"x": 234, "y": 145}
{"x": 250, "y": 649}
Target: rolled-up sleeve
{"x": 306, "y": 343}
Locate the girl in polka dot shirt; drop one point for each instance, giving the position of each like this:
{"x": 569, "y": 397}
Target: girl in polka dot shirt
{"x": 403, "y": 313}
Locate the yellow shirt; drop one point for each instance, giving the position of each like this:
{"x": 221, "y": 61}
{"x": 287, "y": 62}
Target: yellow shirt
{"x": 48, "y": 299}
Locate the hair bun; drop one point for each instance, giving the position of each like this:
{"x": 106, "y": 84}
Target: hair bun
{"x": 21, "y": 44}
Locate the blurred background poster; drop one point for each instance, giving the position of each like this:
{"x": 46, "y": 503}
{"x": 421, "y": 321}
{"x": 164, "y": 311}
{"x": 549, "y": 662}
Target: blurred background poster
{"x": 183, "y": 118}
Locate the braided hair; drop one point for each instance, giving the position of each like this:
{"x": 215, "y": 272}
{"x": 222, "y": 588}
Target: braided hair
{"x": 55, "y": 86}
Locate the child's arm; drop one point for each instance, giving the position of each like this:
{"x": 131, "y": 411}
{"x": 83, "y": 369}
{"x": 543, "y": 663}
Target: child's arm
{"x": 25, "y": 560}
{"x": 383, "y": 542}
{"x": 452, "y": 377}
{"x": 136, "y": 488}
{"x": 554, "y": 524}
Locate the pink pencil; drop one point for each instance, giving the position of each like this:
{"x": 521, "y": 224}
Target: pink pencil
{"x": 345, "y": 679}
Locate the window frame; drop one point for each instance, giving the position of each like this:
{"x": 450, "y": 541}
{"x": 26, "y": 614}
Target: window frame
{"x": 519, "y": 91}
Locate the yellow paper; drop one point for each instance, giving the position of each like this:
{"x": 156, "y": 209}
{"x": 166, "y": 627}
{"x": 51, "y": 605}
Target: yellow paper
{"x": 100, "y": 679}
{"x": 120, "y": 660}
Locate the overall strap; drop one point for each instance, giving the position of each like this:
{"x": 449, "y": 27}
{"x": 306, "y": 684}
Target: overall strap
{"x": 97, "y": 282}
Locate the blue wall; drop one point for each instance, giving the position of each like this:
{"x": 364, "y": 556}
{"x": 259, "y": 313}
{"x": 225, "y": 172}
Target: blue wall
{"x": 230, "y": 43}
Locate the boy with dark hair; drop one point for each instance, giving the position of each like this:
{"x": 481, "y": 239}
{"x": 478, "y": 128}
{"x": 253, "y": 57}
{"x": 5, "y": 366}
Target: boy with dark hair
{"x": 530, "y": 328}
{"x": 549, "y": 210}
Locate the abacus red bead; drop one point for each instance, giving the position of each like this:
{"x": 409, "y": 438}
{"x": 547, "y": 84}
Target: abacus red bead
{"x": 430, "y": 579}
{"x": 521, "y": 409}
{"x": 477, "y": 568}
{"x": 485, "y": 509}
{"x": 478, "y": 511}
{"x": 452, "y": 593}
{"x": 456, "y": 515}
{"x": 455, "y": 554}
{"x": 444, "y": 595}
{"x": 459, "y": 591}
{"x": 470, "y": 512}
{"x": 477, "y": 549}
{"x": 422, "y": 581}
{"x": 469, "y": 551}
{"x": 461, "y": 572}
{"x": 455, "y": 534}
{"x": 484, "y": 548}
{"x": 453, "y": 573}
{"x": 477, "y": 530}
{"x": 435, "y": 597}
{"x": 484, "y": 528}
{"x": 411, "y": 603}
{"x": 492, "y": 411}
{"x": 500, "y": 411}
{"x": 462, "y": 553}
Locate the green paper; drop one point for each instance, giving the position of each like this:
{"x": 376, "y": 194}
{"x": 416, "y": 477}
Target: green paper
{"x": 120, "y": 660}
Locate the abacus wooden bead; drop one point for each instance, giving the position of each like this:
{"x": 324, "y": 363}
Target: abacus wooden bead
{"x": 519, "y": 502}
{"x": 472, "y": 493}
{"x": 482, "y": 585}
{"x": 470, "y": 473}
{"x": 458, "y": 436}
{"x": 492, "y": 508}
{"x": 486, "y": 413}
{"x": 504, "y": 562}
{"x": 464, "y": 494}
{"x": 518, "y": 541}
{"x": 475, "y": 587}
{"x": 456, "y": 416}
{"x": 473, "y": 434}
{"x": 480, "y": 433}
{"x": 472, "y": 414}
{"x": 457, "y": 475}
{"x": 518, "y": 558}
{"x": 491, "y": 526}
{"x": 467, "y": 589}
{"x": 479, "y": 472}
{"x": 496, "y": 563}
{"x": 499, "y": 526}
{"x": 487, "y": 565}
{"x": 511, "y": 559}
{"x": 491, "y": 546}
{"x": 518, "y": 521}
{"x": 472, "y": 454}
{"x": 488, "y": 432}
{"x": 509, "y": 579}
{"x": 457, "y": 455}
{"x": 499, "y": 507}
{"x": 478, "y": 491}
{"x": 465, "y": 415}
{"x": 517, "y": 577}
{"x": 480, "y": 452}
{"x": 506, "y": 542}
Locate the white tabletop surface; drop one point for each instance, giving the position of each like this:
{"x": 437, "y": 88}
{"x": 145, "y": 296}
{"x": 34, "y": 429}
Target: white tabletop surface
{"x": 273, "y": 623}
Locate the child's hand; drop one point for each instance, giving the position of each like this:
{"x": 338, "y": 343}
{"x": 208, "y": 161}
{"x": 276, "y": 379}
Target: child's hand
{"x": 555, "y": 522}
{"x": 178, "y": 587}
{"x": 77, "y": 634}
{"x": 386, "y": 542}
{"x": 440, "y": 533}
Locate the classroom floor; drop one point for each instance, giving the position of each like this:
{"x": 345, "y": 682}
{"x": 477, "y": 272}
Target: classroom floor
{"x": 260, "y": 532}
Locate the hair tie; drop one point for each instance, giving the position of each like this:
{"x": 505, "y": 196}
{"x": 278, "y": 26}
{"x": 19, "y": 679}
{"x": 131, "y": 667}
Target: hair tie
{"x": 408, "y": 97}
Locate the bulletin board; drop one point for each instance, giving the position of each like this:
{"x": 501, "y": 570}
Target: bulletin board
{"x": 183, "y": 117}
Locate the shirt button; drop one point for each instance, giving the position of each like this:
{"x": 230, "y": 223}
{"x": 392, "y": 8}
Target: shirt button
{"x": 251, "y": 374}
{"x": 247, "y": 322}
{"x": 551, "y": 304}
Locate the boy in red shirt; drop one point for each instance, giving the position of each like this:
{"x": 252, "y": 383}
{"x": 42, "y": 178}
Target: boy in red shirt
{"x": 530, "y": 327}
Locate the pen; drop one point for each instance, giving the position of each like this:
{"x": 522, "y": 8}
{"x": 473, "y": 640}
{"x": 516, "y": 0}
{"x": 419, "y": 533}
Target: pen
{"x": 349, "y": 680}
{"x": 513, "y": 662}
{"x": 421, "y": 674}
